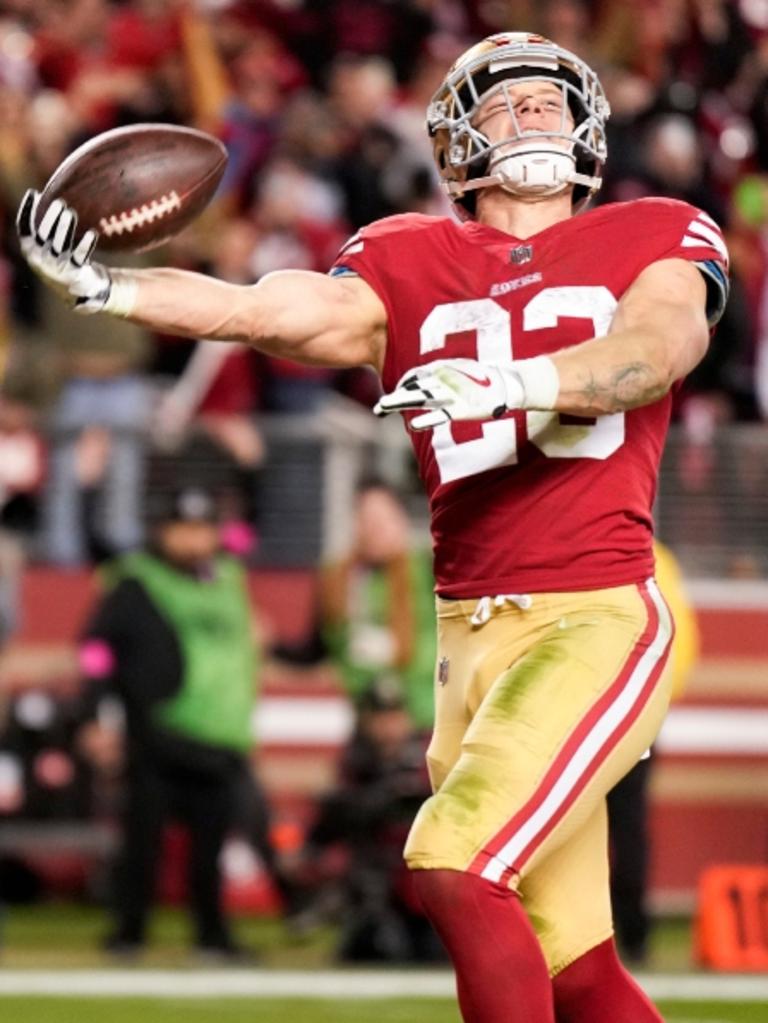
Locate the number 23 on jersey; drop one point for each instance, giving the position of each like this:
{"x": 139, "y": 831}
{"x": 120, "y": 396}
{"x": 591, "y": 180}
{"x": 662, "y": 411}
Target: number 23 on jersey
{"x": 491, "y": 324}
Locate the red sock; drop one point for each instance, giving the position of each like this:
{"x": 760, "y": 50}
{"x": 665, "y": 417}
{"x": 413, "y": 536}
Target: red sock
{"x": 500, "y": 970}
{"x": 597, "y": 989}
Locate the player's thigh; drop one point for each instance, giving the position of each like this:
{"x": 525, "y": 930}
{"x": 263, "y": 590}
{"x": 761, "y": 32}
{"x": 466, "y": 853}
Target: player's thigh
{"x": 550, "y": 737}
{"x": 469, "y": 661}
{"x": 567, "y": 894}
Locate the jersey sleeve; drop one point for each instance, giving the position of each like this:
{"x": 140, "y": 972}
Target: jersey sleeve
{"x": 673, "y": 229}
{"x": 364, "y": 256}
{"x": 382, "y": 253}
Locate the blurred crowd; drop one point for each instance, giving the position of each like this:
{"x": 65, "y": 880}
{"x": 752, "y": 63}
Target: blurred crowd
{"x": 321, "y": 107}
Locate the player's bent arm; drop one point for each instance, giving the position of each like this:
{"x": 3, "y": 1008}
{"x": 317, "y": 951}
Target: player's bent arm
{"x": 294, "y": 314}
{"x": 658, "y": 334}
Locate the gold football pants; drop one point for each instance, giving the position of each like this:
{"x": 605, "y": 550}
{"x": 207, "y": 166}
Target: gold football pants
{"x": 539, "y": 712}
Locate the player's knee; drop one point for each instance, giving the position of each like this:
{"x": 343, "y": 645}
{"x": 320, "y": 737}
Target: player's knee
{"x": 437, "y": 889}
{"x": 585, "y": 972}
{"x": 451, "y": 893}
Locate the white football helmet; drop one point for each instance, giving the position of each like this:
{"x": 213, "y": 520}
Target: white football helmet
{"x": 530, "y": 164}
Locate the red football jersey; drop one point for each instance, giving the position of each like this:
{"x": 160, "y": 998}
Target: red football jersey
{"x": 534, "y": 501}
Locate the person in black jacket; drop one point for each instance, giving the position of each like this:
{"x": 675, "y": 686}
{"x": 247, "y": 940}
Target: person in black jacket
{"x": 172, "y": 639}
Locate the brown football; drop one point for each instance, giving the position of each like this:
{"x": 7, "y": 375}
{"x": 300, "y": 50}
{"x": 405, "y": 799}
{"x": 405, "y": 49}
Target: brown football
{"x": 140, "y": 185}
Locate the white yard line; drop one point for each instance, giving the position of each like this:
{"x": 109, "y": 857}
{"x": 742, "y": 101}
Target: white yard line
{"x": 139, "y": 983}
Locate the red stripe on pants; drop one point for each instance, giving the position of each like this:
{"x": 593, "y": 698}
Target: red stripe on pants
{"x": 571, "y": 746}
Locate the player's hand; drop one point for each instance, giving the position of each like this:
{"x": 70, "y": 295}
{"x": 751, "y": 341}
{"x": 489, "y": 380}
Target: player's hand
{"x": 454, "y": 389}
{"x": 50, "y": 249}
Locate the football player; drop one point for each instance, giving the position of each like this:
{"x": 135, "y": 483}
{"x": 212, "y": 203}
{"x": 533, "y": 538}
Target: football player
{"x": 533, "y": 353}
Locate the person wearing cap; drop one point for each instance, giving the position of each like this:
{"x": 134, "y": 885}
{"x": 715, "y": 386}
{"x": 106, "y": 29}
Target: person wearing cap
{"x": 533, "y": 348}
{"x": 172, "y": 639}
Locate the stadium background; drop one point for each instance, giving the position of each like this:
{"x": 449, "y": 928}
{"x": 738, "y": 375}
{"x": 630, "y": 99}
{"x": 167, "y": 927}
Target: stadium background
{"x": 321, "y": 107}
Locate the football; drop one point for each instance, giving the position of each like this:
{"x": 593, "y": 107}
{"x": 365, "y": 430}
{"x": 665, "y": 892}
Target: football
{"x": 140, "y": 185}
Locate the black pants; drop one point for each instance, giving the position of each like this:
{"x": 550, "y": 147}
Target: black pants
{"x": 628, "y": 824}
{"x": 202, "y": 802}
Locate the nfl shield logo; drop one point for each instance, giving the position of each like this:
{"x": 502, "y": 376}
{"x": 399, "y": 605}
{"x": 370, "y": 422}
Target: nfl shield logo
{"x": 442, "y": 671}
{"x": 521, "y": 254}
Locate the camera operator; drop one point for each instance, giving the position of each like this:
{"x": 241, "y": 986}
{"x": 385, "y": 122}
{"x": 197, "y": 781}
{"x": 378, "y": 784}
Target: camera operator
{"x": 382, "y": 783}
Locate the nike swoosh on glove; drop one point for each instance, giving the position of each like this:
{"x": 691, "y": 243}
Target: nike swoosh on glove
{"x": 49, "y": 248}
{"x": 454, "y": 389}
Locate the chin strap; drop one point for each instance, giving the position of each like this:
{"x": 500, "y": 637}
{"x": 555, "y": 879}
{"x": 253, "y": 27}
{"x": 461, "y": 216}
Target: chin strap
{"x": 458, "y": 188}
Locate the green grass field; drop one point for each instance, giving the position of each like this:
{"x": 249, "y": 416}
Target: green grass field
{"x": 65, "y": 937}
{"x": 71, "y": 1010}
{"x": 54, "y": 936}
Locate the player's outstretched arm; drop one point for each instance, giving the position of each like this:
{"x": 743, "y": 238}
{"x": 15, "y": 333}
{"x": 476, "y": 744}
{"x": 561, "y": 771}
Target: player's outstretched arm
{"x": 658, "y": 334}
{"x": 295, "y": 314}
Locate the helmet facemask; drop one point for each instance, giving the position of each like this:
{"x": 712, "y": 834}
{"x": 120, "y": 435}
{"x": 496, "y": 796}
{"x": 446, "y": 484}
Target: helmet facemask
{"x": 532, "y": 165}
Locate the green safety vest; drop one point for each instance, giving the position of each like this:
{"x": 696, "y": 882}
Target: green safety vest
{"x": 370, "y": 612}
{"x": 212, "y": 624}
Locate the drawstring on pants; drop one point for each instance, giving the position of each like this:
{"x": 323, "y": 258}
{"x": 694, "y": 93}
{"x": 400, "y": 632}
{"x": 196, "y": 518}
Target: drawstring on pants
{"x": 487, "y": 605}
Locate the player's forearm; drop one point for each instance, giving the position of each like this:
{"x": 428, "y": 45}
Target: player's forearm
{"x": 614, "y": 374}
{"x": 634, "y": 365}
{"x": 294, "y": 314}
{"x": 658, "y": 334}
{"x": 172, "y": 301}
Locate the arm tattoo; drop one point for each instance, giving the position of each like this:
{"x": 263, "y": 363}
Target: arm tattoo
{"x": 636, "y": 383}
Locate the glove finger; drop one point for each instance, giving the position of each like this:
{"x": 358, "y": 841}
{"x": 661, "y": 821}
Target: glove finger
{"x": 380, "y": 410}
{"x": 433, "y": 391}
{"x": 427, "y": 392}
{"x": 25, "y": 218}
{"x": 84, "y": 249}
{"x": 430, "y": 419}
{"x": 64, "y": 232}
{"x": 47, "y": 225}
{"x": 399, "y": 399}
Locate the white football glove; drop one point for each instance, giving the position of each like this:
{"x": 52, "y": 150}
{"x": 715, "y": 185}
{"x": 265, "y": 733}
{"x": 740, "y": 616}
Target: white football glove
{"x": 49, "y": 248}
{"x": 455, "y": 389}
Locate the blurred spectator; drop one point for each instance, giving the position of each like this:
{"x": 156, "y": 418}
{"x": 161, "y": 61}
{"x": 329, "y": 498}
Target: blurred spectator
{"x": 172, "y": 639}
{"x": 361, "y": 91}
{"x": 382, "y": 781}
{"x": 380, "y": 171}
{"x": 394, "y": 30}
{"x": 568, "y": 23}
{"x": 407, "y": 120}
{"x": 262, "y": 75}
{"x": 93, "y": 500}
{"x": 748, "y": 242}
{"x": 22, "y": 467}
{"x": 297, "y": 216}
{"x": 673, "y": 164}
{"x": 218, "y": 392}
{"x": 42, "y": 776}
{"x": 378, "y": 605}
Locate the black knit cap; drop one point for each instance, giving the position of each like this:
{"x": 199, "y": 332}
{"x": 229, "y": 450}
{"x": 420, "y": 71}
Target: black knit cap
{"x": 384, "y": 693}
{"x": 184, "y": 504}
